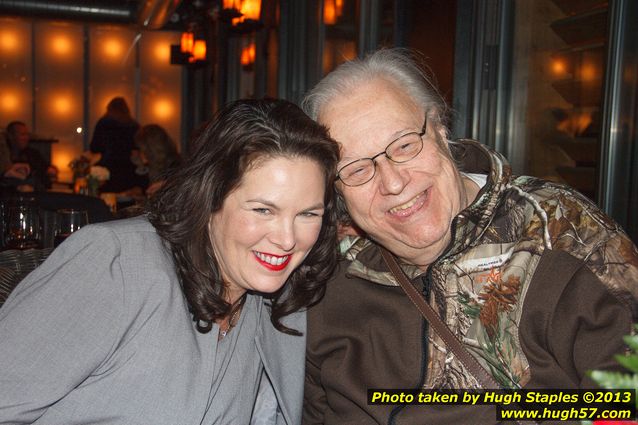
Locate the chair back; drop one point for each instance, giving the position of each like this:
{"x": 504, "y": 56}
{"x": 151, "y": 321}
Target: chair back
{"x": 15, "y": 265}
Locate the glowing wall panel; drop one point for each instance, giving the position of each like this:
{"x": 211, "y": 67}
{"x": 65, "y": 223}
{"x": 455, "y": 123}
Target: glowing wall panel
{"x": 160, "y": 83}
{"x": 112, "y": 57}
{"x": 59, "y": 94}
{"x": 16, "y": 79}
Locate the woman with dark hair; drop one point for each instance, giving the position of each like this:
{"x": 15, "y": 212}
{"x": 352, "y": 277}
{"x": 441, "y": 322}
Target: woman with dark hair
{"x": 179, "y": 316}
{"x": 113, "y": 139}
{"x": 156, "y": 154}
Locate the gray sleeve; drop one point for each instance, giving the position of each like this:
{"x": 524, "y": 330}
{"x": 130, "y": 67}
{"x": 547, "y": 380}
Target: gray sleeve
{"x": 60, "y": 323}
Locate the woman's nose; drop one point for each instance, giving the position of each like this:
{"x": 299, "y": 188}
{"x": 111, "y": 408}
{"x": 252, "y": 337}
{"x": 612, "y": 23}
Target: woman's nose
{"x": 283, "y": 234}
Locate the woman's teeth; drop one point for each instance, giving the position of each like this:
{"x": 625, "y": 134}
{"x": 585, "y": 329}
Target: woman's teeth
{"x": 275, "y": 261}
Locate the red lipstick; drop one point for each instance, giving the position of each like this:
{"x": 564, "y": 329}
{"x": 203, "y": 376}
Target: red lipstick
{"x": 273, "y": 267}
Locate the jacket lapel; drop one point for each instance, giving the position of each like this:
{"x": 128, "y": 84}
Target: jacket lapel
{"x": 283, "y": 357}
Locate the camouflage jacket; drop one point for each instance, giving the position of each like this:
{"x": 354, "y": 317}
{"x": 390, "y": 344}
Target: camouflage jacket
{"x": 537, "y": 283}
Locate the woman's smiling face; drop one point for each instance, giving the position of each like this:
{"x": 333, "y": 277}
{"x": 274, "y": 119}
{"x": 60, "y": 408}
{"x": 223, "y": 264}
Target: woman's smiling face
{"x": 268, "y": 224}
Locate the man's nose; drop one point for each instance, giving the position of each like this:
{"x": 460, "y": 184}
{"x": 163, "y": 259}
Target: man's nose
{"x": 391, "y": 180}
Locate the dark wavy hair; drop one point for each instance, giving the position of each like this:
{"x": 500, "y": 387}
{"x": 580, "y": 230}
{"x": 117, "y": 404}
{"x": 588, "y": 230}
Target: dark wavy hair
{"x": 158, "y": 148}
{"x": 243, "y": 132}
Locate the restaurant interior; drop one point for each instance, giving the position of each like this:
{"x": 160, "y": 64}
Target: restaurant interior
{"x": 551, "y": 84}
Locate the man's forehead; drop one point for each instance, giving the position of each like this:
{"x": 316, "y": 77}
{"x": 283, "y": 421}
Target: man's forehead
{"x": 359, "y": 130}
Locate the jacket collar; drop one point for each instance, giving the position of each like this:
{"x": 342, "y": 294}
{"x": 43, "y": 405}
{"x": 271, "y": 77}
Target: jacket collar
{"x": 467, "y": 227}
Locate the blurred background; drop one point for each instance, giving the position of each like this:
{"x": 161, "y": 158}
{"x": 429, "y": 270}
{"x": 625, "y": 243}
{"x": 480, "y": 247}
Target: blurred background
{"x": 552, "y": 84}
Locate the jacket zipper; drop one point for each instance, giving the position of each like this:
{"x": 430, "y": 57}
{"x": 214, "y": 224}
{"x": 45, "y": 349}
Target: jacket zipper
{"x": 427, "y": 288}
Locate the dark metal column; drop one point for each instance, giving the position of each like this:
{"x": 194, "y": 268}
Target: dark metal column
{"x": 618, "y": 187}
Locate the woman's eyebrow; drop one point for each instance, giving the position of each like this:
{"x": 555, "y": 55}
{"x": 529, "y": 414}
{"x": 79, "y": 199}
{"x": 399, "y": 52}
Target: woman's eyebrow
{"x": 263, "y": 201}
{"x": 318, "y": 206}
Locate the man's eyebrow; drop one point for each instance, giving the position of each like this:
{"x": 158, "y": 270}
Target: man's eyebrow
{"x": 394, "y": 136}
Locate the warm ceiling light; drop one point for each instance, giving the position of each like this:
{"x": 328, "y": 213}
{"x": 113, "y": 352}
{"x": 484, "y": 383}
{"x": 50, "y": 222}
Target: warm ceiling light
{"x": 199, "y": 51}
{"x": 558, "y": 67}
{"x": 162, "y": 52}
{"x": 8, "y": 41}
{"x": 62, "y": 105}
{"x": 588, "y": 72}
{"x": 112, "y": 48}
{"x": 163, "y": 109}
{"x": 9, "y": 102}
{"x": 61, "y": 45}
{"x": 251, "y": 9}
{"x": 243, "y": 15}
{"x": 232, "y": 4}
{"x": 61, "y": 156}
{"x": 247, "y": 58}
{"x": 186, "y": 42}
{"x": 329, "y": 12}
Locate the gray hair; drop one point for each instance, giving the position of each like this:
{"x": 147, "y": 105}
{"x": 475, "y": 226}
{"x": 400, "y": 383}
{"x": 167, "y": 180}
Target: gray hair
{"x": 400, "y": 67}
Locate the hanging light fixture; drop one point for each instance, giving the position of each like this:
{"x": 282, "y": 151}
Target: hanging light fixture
{"x": 329, "y": 12}
{"x": 230, "y": 10}
{"x": 247, "y": 58}
{"x": 242, "y": 15}
{"x": 332, "y": 11}
{"x": 186, "y": 42}
{"x": 199, "y": 51}
{"x": 231, "y": 4}
{"x": 251, "y": 9}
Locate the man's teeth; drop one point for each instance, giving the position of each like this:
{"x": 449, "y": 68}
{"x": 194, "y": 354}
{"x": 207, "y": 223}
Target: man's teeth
{"x": 406, "y": 205}
{"x": 275, "y": 261}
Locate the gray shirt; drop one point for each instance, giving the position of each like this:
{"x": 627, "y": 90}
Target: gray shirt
{"x": 237, "y": 369}
{"x": 101, "y": 333}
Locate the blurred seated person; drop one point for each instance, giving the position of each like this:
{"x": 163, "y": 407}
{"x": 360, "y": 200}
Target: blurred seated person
{"x": 113, "y": 139}
{"x": 39, "y": 172}
{"x": 19, "y": 170}
{"x": 14, "y": 178}
{"x": 156, "y": 153}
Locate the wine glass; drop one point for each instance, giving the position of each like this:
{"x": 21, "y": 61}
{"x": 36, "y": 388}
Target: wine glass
{"x": 67, "y": 222}
{"x": 23, "y": 227}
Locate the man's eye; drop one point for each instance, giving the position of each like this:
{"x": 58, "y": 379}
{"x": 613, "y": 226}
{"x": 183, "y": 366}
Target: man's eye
{"x": 408, "y": 146}
{"x": 357, "y": 171}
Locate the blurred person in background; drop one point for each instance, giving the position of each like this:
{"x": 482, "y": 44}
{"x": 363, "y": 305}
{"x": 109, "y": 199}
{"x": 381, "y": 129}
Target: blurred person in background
{"x": 40, "y": 172}
{"x": 113, "y": 138}
{"x": 12, "y": 175}
{"x": 154, "y": 155}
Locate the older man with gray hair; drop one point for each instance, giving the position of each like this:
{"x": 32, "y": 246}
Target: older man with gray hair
{"x": 532, "y": 279}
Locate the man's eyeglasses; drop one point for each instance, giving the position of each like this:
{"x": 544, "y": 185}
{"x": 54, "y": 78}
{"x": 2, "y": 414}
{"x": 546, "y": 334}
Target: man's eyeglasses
{"x": 399, "y": 150}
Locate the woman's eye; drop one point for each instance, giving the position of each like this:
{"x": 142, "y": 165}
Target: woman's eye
{"x": 264, "y": 211}
{"x": 310, "y": 214}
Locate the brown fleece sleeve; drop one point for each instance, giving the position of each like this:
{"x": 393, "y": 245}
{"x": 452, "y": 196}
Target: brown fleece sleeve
{"x": 572, "y": 323}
